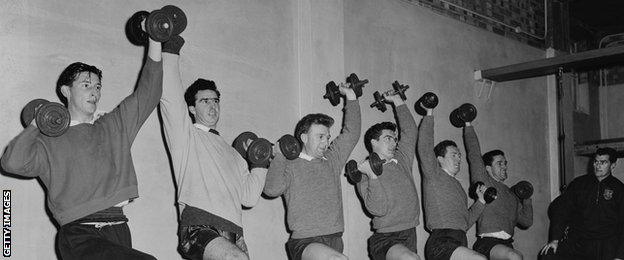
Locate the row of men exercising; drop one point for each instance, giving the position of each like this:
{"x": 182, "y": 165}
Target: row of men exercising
{"x": 214, "y": 180}
{"x": 86, "y": 168}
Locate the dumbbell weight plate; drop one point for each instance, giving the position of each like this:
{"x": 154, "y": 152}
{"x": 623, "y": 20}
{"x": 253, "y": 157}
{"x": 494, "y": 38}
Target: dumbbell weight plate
{"x": 356, "y": 84}
{"x": 332, "y": 93}
{"x": 400, "y": 89}
{"x": 28, "y": 113}
{"x": 240, "y": 142}
{"x": 468, "y": 112}
{"x": 351, "y": 169}
{"x": 178, "y": 18}
{"x": 52, "y": 119}
{"x": 259, "y": 151}
{"x": 290, "y": 147}
{"x": 134, "y": 30}
{"x": 490, "y": 195}
{"x": 379, "y": 102}
{"x": 159, "y": 26}
{"x": 376, "y": 163}
{"x": 430, "y": 100}
{"x": 523, "y": 190}
{"x": 455, "y": 119}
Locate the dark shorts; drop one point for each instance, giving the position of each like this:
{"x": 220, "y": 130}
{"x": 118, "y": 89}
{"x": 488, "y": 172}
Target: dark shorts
{"x": 484, "y": 245}
{"x": 442, "y": 242}
{"x": 193, "y": 240}
{"x": 80, "y": 241}
{"x": 295, "y": 247}
{"x": 380, "y": 243}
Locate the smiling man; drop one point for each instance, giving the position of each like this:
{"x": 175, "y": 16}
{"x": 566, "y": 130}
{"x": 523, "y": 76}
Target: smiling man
{"x": 311, "y": 183}
{"x": 88, "y": 172}
{"x": 391, "y": 198}
{"x": 495, "y": 227}
{"x": 592, "y": 209}
{"x": 446, "y": 204}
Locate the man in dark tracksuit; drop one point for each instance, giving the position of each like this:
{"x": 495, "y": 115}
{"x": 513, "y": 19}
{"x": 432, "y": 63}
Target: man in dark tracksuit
{"x": 592, "y": 208}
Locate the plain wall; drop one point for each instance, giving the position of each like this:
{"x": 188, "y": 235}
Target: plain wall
{"x": 271, "y": 61}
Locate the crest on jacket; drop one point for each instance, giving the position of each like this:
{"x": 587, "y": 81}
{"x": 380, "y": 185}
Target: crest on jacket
{"x": 608, "y": 194}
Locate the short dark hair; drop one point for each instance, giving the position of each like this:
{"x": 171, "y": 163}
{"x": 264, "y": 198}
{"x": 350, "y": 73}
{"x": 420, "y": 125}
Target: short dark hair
{"x": 199, "y": 84}
{"x": 303, "y": 126}
{"x": 70, "y": 73}
{"x": 374, "y": 132}
{"x": 440, "y": 148}
{"x": 489, "y": 156}
{"x": 607, "y": 151}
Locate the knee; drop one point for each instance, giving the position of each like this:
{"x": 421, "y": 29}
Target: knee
{"x": 237, "y": 255}
{"x": 339, "y": 257}
{"x": 514, "y": 255}
{"x": 408, "y": 255}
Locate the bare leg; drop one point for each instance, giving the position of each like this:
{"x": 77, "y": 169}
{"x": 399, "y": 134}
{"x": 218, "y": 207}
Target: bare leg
{"x": 318, "y": 251}
{"x": 400, "y": 252}
{"x": 464, "y": 253}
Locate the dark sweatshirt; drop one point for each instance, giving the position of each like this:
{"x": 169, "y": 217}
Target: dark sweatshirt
{"x": 392, "y": 198}
{"x": 89, "y": 168}
{"x": 312, "y": 188}
{"x": 446, "y": 202}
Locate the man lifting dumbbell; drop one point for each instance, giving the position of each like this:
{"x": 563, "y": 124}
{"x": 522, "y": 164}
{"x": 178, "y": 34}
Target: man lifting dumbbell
{"x": 446, "y": 205}
{"x": 495, "y": 226}
{"x": 381, "y": 99}
{"x": 391, "y": 198}
{"x": 88, "y": 171}
{"x": 311, "y": 183}
{"x": 213, "y": 180}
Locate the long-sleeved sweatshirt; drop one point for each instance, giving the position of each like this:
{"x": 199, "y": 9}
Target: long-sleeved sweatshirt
{"x": 210, "y": 174}
{"x": 392, "y": 198}
{"x": 506, "y": 211}
{"x": 311, "y": 188}
{"x": 446, "y": 203}
{"x": 89, "y": 168}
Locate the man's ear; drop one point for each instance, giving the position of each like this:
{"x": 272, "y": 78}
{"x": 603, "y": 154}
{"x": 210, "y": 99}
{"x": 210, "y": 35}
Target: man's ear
{"x": 440, "y": 158}
{"x": 613, "y": 166}
{"x": 65, "y": 91}
{"x": 488, "y": 168}
{"x": 192, "y": 110}
{"x": 304, "y": 138}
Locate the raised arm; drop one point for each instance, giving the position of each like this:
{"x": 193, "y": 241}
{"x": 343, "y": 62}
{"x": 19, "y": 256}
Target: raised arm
{"x": 408, "y": 134}
{"x": 134, "y": 109}
{"x": 428, "y": 162}
{"x": 25, "y": 155}
{"x": 341, "y": 147}
{"x": 475, "y": 162}
{"x": 277, "y": 179}
{"x": 176, "y": 121}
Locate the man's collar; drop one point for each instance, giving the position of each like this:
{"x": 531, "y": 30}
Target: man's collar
{"x": 447, "y": 172}
{"x": 202, "y": 127}
{"x": 394, "y": 160}
{"x": 96, "y": 115}
{"x": 307, "y": 157}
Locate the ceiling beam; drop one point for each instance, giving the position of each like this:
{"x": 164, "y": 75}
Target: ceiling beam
{"x": 581, "y": 61}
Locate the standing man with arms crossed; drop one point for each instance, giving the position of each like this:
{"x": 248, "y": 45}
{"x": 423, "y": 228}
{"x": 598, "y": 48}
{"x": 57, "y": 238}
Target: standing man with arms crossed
{"x": 592, "y": 209}
{"x": 311, "y": 183}
{"x": 392, "y": 198}
{"x": 446, "y": 211}
{"x": 213, "y": 179}
{"x": 495, "y": 226}
{"x": 88, "y": 171}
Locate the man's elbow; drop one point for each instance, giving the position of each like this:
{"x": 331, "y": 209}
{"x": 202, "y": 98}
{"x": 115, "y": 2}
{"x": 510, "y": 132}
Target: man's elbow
{"x": 271, "y": 192}
{"x": 250, "y": 202}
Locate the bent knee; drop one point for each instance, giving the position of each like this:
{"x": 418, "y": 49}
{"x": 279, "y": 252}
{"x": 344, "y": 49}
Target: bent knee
{"x": 237, "y": 255}
{"x": 338, "y": 257}
{"x": 514, "y": 255}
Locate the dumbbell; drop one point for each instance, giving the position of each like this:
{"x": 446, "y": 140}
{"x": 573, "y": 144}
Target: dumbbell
{"x": 465, "y": 113}
{"x": 380, "y": 98}
{"x": 355, "y": 175}
{"x": 427, "y": 101}
{"x": 489, "y": 195}
{"x": 523, "y": 190}
{"x": 259, "y": 150}
{"x": 159, "y": 25}
{"x": 52, "y": 118}
{"x": 332, "y": 92}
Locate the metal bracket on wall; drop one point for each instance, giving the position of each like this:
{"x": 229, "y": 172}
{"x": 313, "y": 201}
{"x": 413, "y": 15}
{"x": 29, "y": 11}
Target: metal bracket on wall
{"x": 490, "y": 84}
